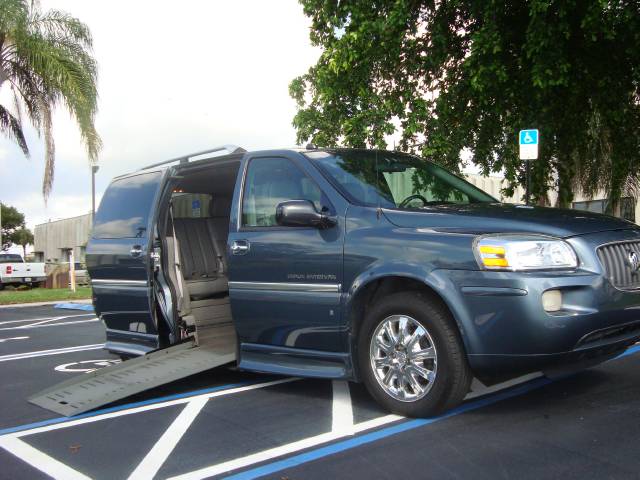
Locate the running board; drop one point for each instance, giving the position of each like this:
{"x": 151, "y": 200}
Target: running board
{"x": 106, "y": 385}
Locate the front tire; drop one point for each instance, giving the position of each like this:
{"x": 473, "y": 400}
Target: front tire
{"x": 411, "y": 357}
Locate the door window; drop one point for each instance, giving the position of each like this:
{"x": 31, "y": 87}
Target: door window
{"x": 271, "y": 181}
{"x": 125, "y": 207}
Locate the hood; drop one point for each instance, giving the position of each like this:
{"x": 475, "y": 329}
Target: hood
{"x": 479, "y": 218}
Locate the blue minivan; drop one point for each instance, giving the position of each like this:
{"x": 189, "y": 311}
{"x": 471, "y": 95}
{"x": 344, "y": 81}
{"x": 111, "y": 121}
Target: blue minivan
{"x": 364, "y": 265}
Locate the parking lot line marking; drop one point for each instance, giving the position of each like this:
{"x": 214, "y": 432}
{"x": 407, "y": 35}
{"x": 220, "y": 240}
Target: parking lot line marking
{"x": 342, "y": 409}
{"x": 55, "y": 351}
{"x": 365, "y": 438}
{"x": 159, "y": 453}
{"x": 348, "y": 444}
{"x": 275, "y": 452}
{"x": 137, "y": 407}
{"x": 13, "y": 338}
{"x": 58, "y": 324}
{"x": 40, "y": 460}
{"x": 22, "y": 320}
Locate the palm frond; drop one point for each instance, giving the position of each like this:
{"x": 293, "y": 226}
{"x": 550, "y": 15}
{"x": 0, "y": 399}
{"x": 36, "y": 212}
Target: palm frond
{"x": 49, "y": 151}
{"x": 55, "y": 25}
{"x": 69, "y": 75}
{"x": 10, "y": 126}
{"x": 46, "y": 57}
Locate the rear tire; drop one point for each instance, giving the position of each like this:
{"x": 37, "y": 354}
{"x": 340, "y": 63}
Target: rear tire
{"x": 411, "y": 357}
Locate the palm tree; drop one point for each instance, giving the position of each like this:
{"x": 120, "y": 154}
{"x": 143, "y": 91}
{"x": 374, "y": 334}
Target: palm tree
{"x": 45, "y": 61}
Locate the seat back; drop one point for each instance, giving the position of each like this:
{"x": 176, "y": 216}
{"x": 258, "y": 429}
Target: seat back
{"x": 197, "y": 248}
{"x": 220, "y": 209}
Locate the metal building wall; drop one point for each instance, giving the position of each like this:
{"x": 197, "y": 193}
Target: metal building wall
{"x": 53, "y": 239}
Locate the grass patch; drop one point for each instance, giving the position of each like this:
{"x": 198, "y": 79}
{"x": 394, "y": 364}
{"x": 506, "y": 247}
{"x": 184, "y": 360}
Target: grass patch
{"x": 10, "y": 296}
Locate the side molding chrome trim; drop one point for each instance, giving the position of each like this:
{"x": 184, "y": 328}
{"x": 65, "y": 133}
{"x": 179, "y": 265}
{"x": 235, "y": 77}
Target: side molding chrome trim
{"x": 119, "y": 282}
{"x": 287, "y": 287}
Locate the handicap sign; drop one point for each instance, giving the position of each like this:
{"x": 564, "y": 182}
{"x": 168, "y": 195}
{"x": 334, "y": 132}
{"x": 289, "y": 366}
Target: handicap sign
{"x": 529, "y": 140}
{"x": 528, "y": 137}
{"x": 195, "y": 208}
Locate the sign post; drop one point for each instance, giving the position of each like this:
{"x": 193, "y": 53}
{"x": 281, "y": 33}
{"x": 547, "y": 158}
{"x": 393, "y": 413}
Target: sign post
{"x": 528, "y": 140}
{"x": 72, "y": 271}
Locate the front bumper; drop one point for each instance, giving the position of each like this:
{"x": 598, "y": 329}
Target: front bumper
{"x": 506, "y": 330}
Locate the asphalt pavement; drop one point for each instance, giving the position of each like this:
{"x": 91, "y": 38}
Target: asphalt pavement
{"x": 230, "y": 424}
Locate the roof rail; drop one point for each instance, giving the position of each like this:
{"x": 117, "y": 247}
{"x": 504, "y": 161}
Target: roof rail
{"x": 185, "y": 158}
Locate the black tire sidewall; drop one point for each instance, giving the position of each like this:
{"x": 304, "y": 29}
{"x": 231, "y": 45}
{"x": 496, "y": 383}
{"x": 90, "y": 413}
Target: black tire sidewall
{"x": 435, "y": 321}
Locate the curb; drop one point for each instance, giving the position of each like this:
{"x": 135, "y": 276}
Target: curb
{"x": 42, "y": 304}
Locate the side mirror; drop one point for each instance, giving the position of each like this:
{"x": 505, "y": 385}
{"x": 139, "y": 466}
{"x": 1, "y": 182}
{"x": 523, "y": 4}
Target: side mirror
{"x": 302, "y": 213}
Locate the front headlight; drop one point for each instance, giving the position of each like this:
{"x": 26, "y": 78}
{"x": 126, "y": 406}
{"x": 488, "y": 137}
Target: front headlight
{"x": 524, "y": 252}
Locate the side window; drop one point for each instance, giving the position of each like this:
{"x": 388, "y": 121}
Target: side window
{"x": 269, "y": 182}
{"x": 125, "y": 207}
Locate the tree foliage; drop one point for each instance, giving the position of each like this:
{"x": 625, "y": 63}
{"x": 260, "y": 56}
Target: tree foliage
{"x": 12, "y": 220}
{"x": 454, "y": 75}
{"x": 23, "y": 237}
{"x": 45, "y": 61}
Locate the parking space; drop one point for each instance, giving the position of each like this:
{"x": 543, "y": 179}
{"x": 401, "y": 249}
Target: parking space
{"x": 225, "y": 423}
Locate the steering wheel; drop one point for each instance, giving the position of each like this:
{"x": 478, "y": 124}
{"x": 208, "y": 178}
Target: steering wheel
{"x": 404, "y": 202}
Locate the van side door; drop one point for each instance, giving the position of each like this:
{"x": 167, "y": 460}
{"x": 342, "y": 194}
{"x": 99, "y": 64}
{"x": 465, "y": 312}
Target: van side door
{"x": 285, "y": 282}
{"x": 119, "y": 262}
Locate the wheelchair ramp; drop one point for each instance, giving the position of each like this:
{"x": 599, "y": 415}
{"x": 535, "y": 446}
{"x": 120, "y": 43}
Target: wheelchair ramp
{"x": 104, "y": 386}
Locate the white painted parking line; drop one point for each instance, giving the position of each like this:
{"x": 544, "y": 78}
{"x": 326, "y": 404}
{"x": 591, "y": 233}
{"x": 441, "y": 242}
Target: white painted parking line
{"x": 40, "y": 460}
{"x": 342, "y": 409}
{"x": 152, "y": 406}
{"x": 271, "y": 453}
{"x": 12, "y": 338}
{"x": 42, "y": 325}
{"x": 156, "y": 457}
{"x": 22, "y": 320}
{"x": 55, "y": 351}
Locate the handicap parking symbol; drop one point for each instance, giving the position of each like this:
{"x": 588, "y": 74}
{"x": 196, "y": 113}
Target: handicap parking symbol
{"x": 528, "y": 137}
{"x": 86, "y": 366}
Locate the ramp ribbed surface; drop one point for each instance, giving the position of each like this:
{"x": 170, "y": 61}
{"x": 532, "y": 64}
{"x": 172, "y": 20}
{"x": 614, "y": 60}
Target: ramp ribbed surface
{"x": 104, "y": 386}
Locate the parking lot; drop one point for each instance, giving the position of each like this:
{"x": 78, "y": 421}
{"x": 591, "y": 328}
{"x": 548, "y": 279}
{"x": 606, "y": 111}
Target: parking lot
{"x": 225, "y": 423}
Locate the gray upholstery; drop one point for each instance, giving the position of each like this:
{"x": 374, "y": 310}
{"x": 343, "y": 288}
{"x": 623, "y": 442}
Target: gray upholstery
{"x": 219, "y": 222}
{"x": 202, "y": 262}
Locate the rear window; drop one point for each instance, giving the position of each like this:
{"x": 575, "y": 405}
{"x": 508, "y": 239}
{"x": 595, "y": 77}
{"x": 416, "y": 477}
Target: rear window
{"x": 10, "y": 258}
{"x": 125, "y": 207}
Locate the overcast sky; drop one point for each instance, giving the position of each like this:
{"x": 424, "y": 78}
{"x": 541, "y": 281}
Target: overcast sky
{"x": 173, "y": 79}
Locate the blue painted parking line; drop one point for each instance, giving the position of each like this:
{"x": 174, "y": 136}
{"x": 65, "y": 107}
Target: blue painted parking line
{"x": 75, "y": 306}
{"x": 399, "y": 428}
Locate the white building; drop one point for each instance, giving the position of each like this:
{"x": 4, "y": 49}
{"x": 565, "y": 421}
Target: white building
{"x": 54, "y": 240}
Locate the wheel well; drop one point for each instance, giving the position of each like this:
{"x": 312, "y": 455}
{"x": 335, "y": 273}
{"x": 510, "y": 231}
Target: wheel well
{"x": 366, "y": 297}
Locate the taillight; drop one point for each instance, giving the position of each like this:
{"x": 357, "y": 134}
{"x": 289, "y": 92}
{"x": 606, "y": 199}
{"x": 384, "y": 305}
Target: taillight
{"x": 9, "y": 269}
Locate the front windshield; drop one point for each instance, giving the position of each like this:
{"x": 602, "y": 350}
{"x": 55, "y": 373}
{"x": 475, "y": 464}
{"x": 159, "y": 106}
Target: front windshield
{"x": 395, "y": 180}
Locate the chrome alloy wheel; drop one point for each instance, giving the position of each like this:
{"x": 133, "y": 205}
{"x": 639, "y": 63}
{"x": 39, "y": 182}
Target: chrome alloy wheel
{"x": 403, "y": 358}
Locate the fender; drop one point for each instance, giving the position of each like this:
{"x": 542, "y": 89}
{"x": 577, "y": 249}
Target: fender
{"x": 434, "y": 279}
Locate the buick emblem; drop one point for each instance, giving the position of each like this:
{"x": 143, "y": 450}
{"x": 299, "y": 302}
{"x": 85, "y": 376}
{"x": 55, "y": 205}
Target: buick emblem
{"x": 634, "y": 260}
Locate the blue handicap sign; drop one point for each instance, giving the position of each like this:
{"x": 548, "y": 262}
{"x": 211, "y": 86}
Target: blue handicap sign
{"x": 528, "y": 137}
{"x": 195, "y": 204}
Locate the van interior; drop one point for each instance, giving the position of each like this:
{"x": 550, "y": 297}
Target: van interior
{"x": 193, "y": 234}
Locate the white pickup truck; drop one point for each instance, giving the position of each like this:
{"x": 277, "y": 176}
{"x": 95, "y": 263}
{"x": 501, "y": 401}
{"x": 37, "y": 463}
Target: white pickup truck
{"x": 15, "y": 271}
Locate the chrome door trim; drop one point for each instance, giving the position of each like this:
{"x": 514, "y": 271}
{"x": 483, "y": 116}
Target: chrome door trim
{"x": 115, "y": 282}
{"x": 287, "y": 286}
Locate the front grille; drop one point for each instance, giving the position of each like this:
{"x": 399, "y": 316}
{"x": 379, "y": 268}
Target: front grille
{"x": 617, "y": 266}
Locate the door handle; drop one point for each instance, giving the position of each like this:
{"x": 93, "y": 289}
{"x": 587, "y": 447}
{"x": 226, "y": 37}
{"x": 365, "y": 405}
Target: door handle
{"x": 136, "y": 251}
{"x": 240, "y": 247}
